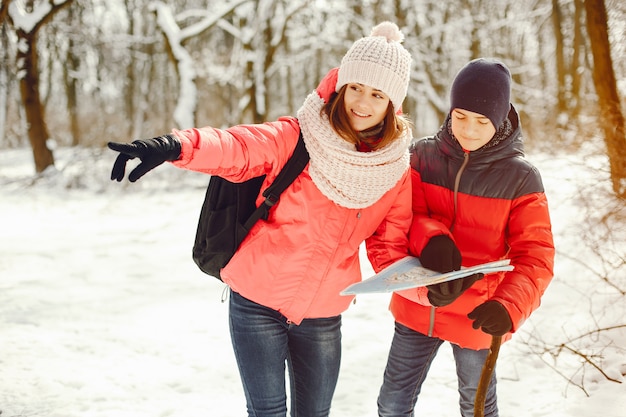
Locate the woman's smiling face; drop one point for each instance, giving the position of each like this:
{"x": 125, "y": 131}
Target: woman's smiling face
{"x": 365, "y": 106}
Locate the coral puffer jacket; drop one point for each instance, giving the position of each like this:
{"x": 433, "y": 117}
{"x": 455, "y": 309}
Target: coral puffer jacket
{"x": 307, "y": 251}
{"x": 497, "y": 210}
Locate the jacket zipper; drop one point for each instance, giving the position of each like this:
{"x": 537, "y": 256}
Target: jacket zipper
{"x": 457, "y": 181}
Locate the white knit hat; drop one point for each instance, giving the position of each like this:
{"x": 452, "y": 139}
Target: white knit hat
{"x": 379, "y": 61}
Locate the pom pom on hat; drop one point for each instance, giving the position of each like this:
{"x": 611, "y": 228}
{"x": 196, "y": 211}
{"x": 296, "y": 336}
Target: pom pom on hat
{"x": 483, "y": 86}
{"x": 389, "y": 30}
{"x": 379, "y": 61}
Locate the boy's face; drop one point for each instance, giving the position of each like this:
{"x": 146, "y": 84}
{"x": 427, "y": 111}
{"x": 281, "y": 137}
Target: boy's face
{"x": 472, "y": 130}
{"x": 365, "y": 106}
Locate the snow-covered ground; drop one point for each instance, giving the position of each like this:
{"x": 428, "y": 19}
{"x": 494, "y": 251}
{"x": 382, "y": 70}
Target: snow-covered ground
{"x": 104, "y": 314}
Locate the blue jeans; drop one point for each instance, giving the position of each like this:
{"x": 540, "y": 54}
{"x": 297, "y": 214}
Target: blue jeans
{"x": 264, "y": 340}
{"x": 409, "y": 360}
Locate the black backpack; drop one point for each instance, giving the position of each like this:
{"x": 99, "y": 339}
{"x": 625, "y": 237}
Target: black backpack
{"x": 229, "y": 211}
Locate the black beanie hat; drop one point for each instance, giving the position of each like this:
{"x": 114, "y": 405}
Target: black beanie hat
{"x": 483, "y": 86}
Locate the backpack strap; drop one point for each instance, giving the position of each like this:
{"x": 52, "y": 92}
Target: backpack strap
{"x": 293, "y": 167}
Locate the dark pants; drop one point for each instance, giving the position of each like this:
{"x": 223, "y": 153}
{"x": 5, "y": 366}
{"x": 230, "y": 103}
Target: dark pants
{"x": 410, "y": 357}
{"x": 263, "y": 341}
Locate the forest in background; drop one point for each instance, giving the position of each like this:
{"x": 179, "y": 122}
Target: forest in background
{"x": 123, "y": 70}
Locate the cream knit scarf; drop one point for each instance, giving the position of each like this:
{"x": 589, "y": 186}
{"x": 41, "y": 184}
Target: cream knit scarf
{"x": 346, "y": 176}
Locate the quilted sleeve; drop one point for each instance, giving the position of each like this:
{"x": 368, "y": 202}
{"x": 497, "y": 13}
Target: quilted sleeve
{"x": 531, "y": 250}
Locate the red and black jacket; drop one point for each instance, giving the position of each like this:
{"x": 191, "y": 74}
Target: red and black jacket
{"x": 491, "y": 202}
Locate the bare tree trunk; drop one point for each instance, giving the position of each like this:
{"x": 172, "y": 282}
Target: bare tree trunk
{"x": 184, "y": 113}
{"x": 250, "y": 85}
{"x": 70, "y": 69}
{"x": 129, "y": 93}
{"x": 252, "y": 105}
{"x": 263, "y": 47}
{"x": 576, "y": 64}
{"x": 4, "y": 79}
{"x": 147, "y": 74}
{"x": 4, "y": 74}
{"x": 4, "y": 10}
{"x": 559, "y": 57}
{"x": 479, "y": 20}
{"x": 33, "y": 108}
{"x": 29, "y": 85}
{"x": 611, "y": 117}
{"x": 260, "y": 48}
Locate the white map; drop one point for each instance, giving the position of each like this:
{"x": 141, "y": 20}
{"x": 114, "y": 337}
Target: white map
{"x": 408, "y": 273}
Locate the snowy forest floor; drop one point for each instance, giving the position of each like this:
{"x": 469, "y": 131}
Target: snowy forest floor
{"x": 103, "y": 313}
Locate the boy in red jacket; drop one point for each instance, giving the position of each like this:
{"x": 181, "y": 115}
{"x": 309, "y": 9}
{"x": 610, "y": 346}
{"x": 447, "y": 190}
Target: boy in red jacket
{"x": 475, "y": 199}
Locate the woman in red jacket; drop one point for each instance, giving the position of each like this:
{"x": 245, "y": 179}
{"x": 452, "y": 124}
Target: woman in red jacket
{"x": 286, "y": 276}
{"x": 475, "y": 199}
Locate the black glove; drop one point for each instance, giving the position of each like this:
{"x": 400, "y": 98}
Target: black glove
{"x": 441, "y": 254}
{"x": 445, "y": 293}
{"x": 492, "y": 318}
{"x": 152, "y": 152}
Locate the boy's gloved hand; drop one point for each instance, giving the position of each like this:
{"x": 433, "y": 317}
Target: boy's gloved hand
{"x": 152, "y": 153}
{"x": 441, "y": 254}
{"x": 445, "y": 293}
{"x": 492, "y": 318}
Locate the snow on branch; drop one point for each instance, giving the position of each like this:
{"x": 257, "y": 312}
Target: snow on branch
{"x": 187, "y": 99}
{"x": 27, "y": 21}
{"x": 211, "y": 18}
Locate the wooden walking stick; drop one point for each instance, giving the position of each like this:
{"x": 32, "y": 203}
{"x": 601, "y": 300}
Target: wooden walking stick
{"x": 485, "y": 376}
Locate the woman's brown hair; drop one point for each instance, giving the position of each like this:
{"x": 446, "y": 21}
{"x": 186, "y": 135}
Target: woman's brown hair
{"x": 393, "y": 125}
